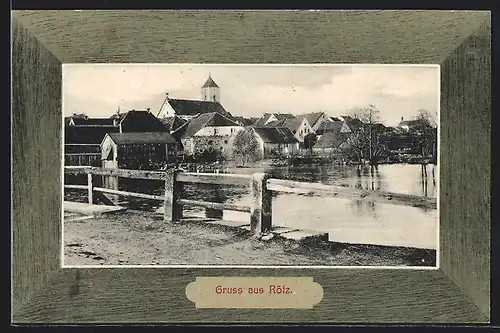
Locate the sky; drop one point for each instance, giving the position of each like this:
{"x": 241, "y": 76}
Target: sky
{"x": 251, "y": 90}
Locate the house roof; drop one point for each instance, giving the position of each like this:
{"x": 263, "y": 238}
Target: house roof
{"x": 86, "y": 134}
{"x": 330, "y": 126}
{"x": 191, "y": 127}
{"x": 142, "y": 120}
{"x": 93, "y": 121}
{"x": 275, "y": 134}
{"x": 353, "y": 123}
{"x": 265, "y": 117}
{"x": 210, "y": 83}
{"x": 331, "y": 140}
{"x": 142, "y": 138}
{"x": 312, "y": 118}
{"x": 173, "y": 123}
{"x": 409, "y": 123}
{"x": 186, "y": 107}
{"x": 246, "y": 121}
{"x": 292, "y": 124}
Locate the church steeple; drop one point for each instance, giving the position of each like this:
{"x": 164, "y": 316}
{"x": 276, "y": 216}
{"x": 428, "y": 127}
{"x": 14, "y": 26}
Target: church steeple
{"x": 210, "y": 91}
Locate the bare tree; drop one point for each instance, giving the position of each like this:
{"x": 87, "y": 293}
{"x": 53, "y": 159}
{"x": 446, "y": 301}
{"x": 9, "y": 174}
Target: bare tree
{"x": 427, "y": 135}
{"x": 425, "y": 118}
{"x": 364, "y": 141}
{"x": 245, "y": 145}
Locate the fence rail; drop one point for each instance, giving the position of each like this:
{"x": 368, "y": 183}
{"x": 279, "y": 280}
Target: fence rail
{"x": 259, "y": 184}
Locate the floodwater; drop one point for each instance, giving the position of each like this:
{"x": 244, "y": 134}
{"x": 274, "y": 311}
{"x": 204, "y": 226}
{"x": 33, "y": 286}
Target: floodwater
{"x": 345, "y": 220}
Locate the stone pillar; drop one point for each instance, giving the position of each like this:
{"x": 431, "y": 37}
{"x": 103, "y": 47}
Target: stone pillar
{"x": 261, "y": 208}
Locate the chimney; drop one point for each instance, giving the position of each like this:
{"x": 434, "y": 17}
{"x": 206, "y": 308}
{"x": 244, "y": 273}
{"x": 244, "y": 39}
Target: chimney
{"x": 401, "y": 118}
{"x": 118, "y": 110}
{"x": 149, "y": 109}
{"x": 167, "y": 96}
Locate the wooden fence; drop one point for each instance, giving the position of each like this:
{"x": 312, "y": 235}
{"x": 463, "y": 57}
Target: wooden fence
{"x": 259, "y": 184}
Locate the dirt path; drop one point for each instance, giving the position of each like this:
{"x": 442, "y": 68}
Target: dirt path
{"x": 143, "y": 238}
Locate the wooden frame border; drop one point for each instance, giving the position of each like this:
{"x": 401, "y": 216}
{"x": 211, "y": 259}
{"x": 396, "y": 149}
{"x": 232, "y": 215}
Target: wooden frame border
{"x": 458, "y": 292}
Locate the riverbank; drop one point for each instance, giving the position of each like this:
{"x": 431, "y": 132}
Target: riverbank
{"x": 143, "y": 238}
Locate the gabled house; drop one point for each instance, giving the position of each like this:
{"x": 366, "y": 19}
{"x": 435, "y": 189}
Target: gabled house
{"x": 275, "y": 141}
{"x": 139, "y": 151}
{"x": 315, "y": 119}
{"x": 207, "y": 131}
{"x": 333, "y": 126}
{"x": 135, "y": 121}
{"x": 298, "y": 126}
{"x": 267, "y": 118}
{"x": 354, "y": 124}
{"x": 333, "y": 141}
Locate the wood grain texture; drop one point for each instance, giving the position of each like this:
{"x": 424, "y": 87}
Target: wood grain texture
{"x": 257, "y": 37}
{"x": 44, "y": 292}
{"x": 158, "y": 295}
{"x": 465, "y": 166}
{"x": 36, "y": 159}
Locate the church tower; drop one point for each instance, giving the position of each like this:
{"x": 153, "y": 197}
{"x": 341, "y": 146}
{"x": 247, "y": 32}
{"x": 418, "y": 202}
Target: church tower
{"x": 210, "y": 91}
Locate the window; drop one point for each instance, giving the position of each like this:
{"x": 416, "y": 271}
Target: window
{"x": 225, "y": 141}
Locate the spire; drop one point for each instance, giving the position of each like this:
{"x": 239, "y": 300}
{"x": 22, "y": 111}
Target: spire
{"x": 210, "y": 83}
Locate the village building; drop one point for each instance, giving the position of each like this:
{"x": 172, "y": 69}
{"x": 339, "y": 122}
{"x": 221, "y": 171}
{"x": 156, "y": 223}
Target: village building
{"x": 82, "y": 141}
{"x": 275, "y": 142}
{"x": 83, "y": 135}
{"x": 298, "y": 126}
{"x": 208, "y": 131}
{"x": 268, "y": 118}
{"x": 138, "y": 151}
{"x": 188, "y": 109}
{"x": 334, "y": 141}
{"x": 354, "y": 124}
{"x": 332, "y": 126}
{"x": 315, "y": 119}
{"x": 412, "y": 126}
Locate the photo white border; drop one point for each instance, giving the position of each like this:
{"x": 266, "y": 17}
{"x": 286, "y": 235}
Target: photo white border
{"x": 438, "y": 196}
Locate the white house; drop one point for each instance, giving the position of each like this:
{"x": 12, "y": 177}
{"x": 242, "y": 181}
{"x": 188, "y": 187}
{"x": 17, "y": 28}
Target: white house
{"x": 275, "y": 141}
{"x": 315, "y": 119}
{"x": 207, "y": 131}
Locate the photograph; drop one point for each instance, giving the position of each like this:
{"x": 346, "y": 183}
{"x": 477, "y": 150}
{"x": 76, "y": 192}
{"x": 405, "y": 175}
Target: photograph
{"x": 250, "y": 165}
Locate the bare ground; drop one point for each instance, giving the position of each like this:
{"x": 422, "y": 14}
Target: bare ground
{"x": 143, "y": 238}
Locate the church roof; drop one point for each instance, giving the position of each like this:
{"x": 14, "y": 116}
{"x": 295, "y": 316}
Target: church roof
{"x": 184, "y": 107}
{"x": 210, "y": 83}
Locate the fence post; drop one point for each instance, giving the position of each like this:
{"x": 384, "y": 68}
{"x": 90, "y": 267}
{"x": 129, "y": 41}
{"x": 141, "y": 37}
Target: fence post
{"x": 173, "y": 192}
{"x": 212, "y": 213}
{"x": 261, "y": 207}
{"x": 90, "y": 187}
